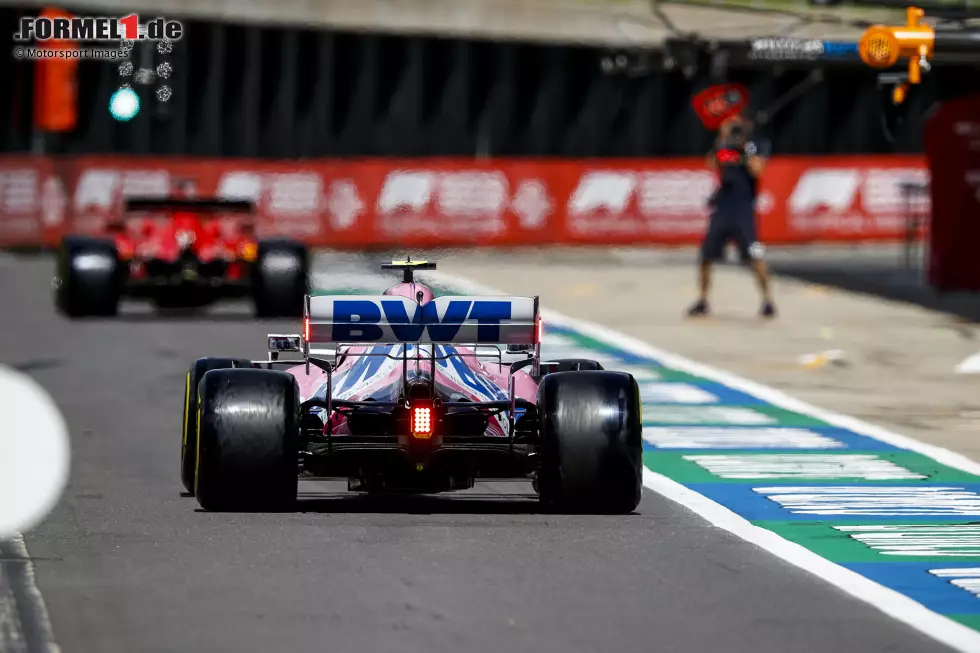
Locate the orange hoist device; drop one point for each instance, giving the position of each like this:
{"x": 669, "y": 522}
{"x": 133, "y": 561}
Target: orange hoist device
{"x": 882, "y": 46}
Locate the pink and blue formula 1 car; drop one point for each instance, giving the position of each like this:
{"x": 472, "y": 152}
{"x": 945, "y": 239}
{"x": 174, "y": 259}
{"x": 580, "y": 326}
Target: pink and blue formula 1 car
{"x": 408, "y": 392}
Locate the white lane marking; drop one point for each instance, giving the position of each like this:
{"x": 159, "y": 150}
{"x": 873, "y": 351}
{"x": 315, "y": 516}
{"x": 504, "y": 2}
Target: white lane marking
{"x": 35, "y": 452}
{"x": 699, "y": 437}
{"x": 895, "y": 604}
{"x": 734, "y": 415}
{"x": 804, "y": 466}
{"x": 945, "y": 630}
{"x": 940, "y": 540}
{"x": 966, "y": 578}
{"x": 970, "y": 365}
{"x": 23, "y": 598}
{"x": 675, "y": 393}
{"x": 11, "y": 633}
{"x": 869, "y": 500}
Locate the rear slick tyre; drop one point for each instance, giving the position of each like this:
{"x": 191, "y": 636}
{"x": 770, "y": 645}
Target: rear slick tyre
{"x": 279, "y": 279}
{"x": 591, "y": 442}
{"x": 89, "y": 278}
{"x": 188, "y": 442}
{"x": 248, "y": 440}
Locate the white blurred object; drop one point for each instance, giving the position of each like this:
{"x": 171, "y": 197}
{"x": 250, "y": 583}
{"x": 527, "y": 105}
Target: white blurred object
{"x": 34, "y": 453}
{"x": 831, "y": 356}
{"x": 970, "y": 365}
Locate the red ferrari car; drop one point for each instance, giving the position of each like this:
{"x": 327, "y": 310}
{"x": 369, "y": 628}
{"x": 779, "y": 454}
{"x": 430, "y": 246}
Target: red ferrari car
{"x": 180, "y": 253}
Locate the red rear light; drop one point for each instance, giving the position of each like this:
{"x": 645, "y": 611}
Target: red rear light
{"x": 422, "y": 422}
{"x": 538, "y": 330}
{"x": 306, "y": 329}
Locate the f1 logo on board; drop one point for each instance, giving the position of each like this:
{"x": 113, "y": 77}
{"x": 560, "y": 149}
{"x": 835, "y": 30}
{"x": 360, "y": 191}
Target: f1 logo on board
{"x": 460, "y": 201}
{"x": 661, "y": 192}
{"x": 838, "y": 189}
{"x": 97, "y": 28}
{"x": 360, "y": 320}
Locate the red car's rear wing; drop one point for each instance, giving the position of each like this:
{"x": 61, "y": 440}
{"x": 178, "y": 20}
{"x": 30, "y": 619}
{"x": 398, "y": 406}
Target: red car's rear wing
{"x": 210, "y": 205}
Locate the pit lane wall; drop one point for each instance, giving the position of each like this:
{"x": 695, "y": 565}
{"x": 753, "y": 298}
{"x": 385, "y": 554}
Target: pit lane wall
{"x": 354, "y": 204}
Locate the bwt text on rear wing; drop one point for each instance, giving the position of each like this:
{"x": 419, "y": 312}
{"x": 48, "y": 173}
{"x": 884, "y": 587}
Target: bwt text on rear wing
{"x": 386, "y": 319}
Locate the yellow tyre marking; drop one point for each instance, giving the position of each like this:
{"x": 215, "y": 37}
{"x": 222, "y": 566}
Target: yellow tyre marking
{"x": 187, "y": 408}
{"x": 197, "y": 457}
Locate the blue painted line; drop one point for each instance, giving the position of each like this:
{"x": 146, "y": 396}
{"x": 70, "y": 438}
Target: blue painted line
{"x": 753, "y": 505}
{"x": 914, "y": 580}
{"x": 724, "y": 396}
{"x": 852, "y": 442}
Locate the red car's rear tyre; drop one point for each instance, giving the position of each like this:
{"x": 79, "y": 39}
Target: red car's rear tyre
{"x": 90, "y": 277}
{"x": 279, "y": 279}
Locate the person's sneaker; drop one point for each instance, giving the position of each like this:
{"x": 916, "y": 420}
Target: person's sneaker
{"x": 768, "y": 310}
{"x": 700, "y": 309}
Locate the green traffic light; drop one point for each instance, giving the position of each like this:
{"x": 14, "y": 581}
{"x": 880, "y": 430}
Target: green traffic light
{"x": 124, "y": 104}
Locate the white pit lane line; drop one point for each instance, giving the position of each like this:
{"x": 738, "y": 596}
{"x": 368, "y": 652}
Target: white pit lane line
{"x": 24, "y": 623}
{"x": 892, "y": 603}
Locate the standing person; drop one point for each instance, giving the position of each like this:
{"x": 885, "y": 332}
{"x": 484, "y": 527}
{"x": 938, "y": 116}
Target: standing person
{"x": 740, "y": 160}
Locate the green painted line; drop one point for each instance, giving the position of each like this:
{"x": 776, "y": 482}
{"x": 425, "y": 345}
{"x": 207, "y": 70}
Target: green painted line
{"x": 971, "y": 620}
{"x": 788, "y": 417}
{"x": 684, "y": 468}
{"x": 593, "y": 345}
{"x": 672, "y": 375}
{"x": 760, "y": 415}
{"x": 901, "y": 543}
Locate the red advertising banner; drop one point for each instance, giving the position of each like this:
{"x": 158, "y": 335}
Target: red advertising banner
{"x": 460, "y": 202}
{"x": 29, "y": 204}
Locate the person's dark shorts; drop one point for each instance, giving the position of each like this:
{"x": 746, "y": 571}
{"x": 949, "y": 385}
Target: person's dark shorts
{"x": 724, "y": 228}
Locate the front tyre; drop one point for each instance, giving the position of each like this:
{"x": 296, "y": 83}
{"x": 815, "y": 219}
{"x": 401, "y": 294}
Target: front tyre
{"x": 279, "y": 278}
{"x": 188, "y": 443}
{"x": 248, "y": 440}
{"x": 591, "y": 442}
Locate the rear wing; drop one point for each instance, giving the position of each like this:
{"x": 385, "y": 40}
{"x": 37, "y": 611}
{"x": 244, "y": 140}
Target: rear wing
{"x": 448, "y": 320}
{"x": 386, "y": 319}
{"x": 137, "y": 204}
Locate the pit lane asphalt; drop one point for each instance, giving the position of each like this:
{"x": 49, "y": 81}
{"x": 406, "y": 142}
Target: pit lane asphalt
{"x": 125, "y": 563}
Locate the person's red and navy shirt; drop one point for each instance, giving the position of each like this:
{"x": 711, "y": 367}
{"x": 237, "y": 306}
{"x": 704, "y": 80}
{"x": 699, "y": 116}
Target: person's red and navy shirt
{"x": 737, "y": 187}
